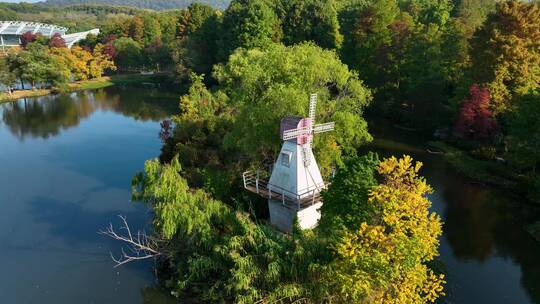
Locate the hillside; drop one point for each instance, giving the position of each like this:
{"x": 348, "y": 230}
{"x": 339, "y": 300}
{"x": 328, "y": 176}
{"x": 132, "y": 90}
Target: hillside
{"x": 149, "y": 4}
{"x": 76, "y": 18}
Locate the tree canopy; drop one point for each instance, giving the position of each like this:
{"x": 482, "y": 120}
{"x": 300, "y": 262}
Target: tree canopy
{"x": 475, "y": 118}
{"x": 311, "y": 20}
{"x": 260, "y": 87}
{"x": 248, "y": 24}
{"x": 220, "y": 254}
{"x": 506, "y": 52}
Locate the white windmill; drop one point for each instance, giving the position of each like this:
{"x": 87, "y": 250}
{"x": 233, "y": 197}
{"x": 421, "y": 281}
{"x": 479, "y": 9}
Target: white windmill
{"x": 293, "y": 190}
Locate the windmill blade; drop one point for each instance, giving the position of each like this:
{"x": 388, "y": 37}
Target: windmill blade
{"x": 325, "y": 127}
{"x": 294, "y": 133}
{"x": 312, "y": 107}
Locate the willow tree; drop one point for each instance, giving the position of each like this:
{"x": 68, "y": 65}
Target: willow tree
{"x": 263, "y": 86}
{"x": 219, "y": 254}
{"x": 236, "y": 124}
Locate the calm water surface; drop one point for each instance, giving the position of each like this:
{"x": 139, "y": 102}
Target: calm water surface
{"x": 487, "y": 255}
{"x": 66, "y": 164}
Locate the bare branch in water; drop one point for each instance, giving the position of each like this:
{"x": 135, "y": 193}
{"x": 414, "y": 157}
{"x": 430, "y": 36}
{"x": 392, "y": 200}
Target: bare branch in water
{"x": 140, "y": 246}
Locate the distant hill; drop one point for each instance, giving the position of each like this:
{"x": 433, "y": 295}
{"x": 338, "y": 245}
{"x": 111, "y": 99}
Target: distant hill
{"x": 149, "y": 4}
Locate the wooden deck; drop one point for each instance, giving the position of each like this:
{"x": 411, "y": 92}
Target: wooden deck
{"x": 258, "y": 186}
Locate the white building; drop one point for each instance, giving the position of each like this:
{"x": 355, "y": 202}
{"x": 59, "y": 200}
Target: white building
{"x": 11, "y": 32}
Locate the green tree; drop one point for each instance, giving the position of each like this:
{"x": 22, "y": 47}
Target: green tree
{"x": 248, "y": 24}
{"x": 151, "y": 29}
{"x": 196, "y": 49}
{"x": 35, "y": 65}
{"x": 369, "y": 37}
{"x": 220, "y": 254}
{"x": 410, "y": 53}
{"x": 168, "y": 22}
{"x": 7, "y": 77}
{"x": 263, "y": 86}
{"x": 524, "y": 131}
{"x": 313, "y": 20}
{"x": 473, "y": 13}
{"x": 128, "y": 53}
{"x": 505, "y": 52}
{"x": 100, "y": 62}
{"x": 89, "y": 42}
{"x": 346, "y": 200}
{"x": 239, "y": 119}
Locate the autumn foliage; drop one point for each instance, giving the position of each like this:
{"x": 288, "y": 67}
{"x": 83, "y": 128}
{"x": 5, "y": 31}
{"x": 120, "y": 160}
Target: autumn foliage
{"x": 57, "y": 41}
{"x": 27, "y": 38}
{"x": 505, "y": 54}
{"x": 108, "y": 46}
{"x": 475, "y": 119}
{"x": 385, "y": 260}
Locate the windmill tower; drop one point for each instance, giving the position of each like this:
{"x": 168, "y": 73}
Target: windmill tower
{"x": 293, "y": 190}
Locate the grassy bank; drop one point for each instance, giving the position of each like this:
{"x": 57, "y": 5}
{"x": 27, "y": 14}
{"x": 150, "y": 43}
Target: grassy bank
{"x": 489, "y": 172}
{"x": 484, "y": 171}
{"x": 97, "y": 83}
{"x": 5, "y": 97}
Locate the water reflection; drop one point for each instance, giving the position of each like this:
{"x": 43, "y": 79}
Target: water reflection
{"x": 57, "y": 192}
{"x": 47, "y": 116}
{"x": 470, "y": 222}
{"x": 488, "y": 255}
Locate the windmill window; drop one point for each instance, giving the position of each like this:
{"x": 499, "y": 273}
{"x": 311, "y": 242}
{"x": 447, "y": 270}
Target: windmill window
{"x": 286, "y": 159}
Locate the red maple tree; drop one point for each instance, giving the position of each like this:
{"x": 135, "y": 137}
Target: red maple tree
{"x": 108, "y": 46}
{"x": 475, "y": 119}
{"x": 57, "y": 41}
{"x": 27, "y": 38}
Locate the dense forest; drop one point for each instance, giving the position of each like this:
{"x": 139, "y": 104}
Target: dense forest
{"x": 467, "y": 71}
{"x": 75, "y": 18}
{"x": 150, "y": 4}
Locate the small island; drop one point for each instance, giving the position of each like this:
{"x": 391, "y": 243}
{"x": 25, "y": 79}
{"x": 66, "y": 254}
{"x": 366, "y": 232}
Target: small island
{"x": 254, "y": 151}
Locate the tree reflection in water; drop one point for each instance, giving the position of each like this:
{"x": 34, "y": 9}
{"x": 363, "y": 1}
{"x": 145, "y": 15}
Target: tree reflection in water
{"x": 482, "y": 223}
{"x": 483, "y": 227}
{"x": 47, "y": 116}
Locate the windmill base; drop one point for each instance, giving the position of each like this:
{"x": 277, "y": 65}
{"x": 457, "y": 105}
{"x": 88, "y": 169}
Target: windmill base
{"x": 282, "y": 216}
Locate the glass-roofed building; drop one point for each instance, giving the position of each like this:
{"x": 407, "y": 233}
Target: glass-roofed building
{"x": 11, "y": 32}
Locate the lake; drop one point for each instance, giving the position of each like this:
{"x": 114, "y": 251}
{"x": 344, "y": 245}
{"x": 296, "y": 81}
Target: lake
{"x": 67, "y": 163}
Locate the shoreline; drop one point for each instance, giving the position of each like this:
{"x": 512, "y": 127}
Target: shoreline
{"x": 92, "y": 84}
{"x": 486, "y": 172}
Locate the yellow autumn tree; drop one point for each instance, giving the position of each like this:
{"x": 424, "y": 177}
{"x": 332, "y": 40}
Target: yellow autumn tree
{"x": 505, "y": 52}
{"x": 65, "y": 61}
{"x": 81, "y": 68}
{"x": 384, "y": 261}
{"x": 100, "y": 62}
